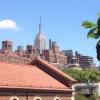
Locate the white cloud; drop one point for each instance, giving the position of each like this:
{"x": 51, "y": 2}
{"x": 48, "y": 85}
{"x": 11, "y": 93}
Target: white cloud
{"x": 9, "y": 24}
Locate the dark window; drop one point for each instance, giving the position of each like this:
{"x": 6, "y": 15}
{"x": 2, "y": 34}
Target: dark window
{"x": 57, "y": 98}
{"x": 37, "y": 99}
{"x": 14, "y": 99}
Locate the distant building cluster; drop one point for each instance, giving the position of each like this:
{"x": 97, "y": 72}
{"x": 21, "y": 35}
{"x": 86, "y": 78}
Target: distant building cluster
{"x": 53, "y": 54}
{"x": 78, "y": 60}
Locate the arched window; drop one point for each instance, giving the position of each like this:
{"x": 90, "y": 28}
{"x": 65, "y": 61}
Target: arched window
{"x": 57, "y": 98}
{"x": 14, "y": 98}
{"x": 37, "y": 98}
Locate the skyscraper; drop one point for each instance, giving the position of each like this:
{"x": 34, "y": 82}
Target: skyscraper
{"x": 39, "y": 42}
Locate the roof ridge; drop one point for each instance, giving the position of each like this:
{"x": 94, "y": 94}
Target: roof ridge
{"x": 55, "y": 69}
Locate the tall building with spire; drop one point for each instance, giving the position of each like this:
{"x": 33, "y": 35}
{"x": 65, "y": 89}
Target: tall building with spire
{"x": 39, "y": 42}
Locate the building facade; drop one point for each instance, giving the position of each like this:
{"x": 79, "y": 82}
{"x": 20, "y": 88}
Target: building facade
{"x": 78, "y": 60}
{"x": 84, "y": 61}
{"x": 88, "y": 88}
{"x": 37, "y": 80}
{"x": 54, "y": 55}
{"x": 39, "y": 42}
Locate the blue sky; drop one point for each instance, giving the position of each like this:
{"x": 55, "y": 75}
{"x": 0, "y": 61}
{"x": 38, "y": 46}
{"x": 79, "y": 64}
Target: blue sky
{"x": 61, "y": 20}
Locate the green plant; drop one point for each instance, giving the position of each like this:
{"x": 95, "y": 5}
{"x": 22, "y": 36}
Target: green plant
{"x": 83, "y": 75}
{"x": 94, "y": 32}
{"x": 80, "y": 96}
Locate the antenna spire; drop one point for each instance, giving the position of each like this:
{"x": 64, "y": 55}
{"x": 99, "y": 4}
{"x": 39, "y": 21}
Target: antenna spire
{"x": 40, "y": 26}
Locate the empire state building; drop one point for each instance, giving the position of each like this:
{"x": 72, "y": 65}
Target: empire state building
{"x": 39, "y": 42}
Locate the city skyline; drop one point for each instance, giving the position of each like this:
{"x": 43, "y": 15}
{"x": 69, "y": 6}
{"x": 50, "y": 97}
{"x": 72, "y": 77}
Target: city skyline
{"x": 61, "y": 22}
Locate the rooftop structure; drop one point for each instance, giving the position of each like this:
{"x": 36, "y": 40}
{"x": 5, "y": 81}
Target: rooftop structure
{"x": 37, "y": 79}
{"x": 87, "y": 88}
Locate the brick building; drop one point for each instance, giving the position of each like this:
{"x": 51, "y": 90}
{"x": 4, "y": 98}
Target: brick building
{"x": 84, "y": 61}
{"x": 37, "y": 80}
{"x": 54, "y": 55}
{"x": 78, "y": 60}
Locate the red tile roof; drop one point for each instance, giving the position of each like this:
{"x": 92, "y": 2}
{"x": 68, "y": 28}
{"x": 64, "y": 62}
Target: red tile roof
{"x": 53, "y": 68}
{"x": 30, "y": 77}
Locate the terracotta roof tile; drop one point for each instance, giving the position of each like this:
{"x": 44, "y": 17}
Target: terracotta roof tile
{"x": 50, "y": 66}
{"x": 27, "y": 76}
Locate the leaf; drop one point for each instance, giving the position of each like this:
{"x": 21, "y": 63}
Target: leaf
{"x": 87, "y": 24}
{"x": 98, "y": 50}
{"x": 93, "y": 33}
{"x": 98, "y": 22}
{"x": 98, "y": 43}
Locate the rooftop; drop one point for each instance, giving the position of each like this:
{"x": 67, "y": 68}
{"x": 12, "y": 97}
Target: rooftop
{"x": 31, "y": 76}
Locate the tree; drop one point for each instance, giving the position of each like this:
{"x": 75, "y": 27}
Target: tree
{"x": 80, "y": 96}
{"x": 84, "y": 75}
{"x": 94, "y": 32}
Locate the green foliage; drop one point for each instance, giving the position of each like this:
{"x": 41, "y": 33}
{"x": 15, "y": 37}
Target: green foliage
{"x": 98, "y": 22}
{"x": 87, "y": 24}
{"x": 94, "y": 32}
{"x": 98, "y": 50}
{"x": 80, "y": 96}
{"x": 83, "y": 75}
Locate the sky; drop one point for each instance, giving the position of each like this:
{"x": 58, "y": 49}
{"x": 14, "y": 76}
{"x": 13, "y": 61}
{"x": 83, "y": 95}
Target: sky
{"x": 61, "y": 21}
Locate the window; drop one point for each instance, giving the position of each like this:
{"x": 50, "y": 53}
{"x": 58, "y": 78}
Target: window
{"x": 37, "y": 98}
{"x": 14, "y": 98}
{"x": 57, "y": 98}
